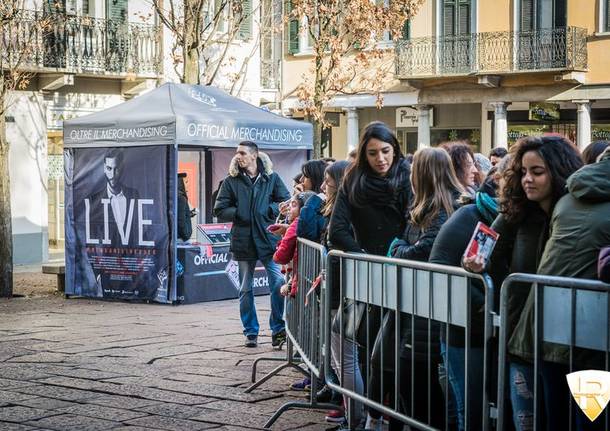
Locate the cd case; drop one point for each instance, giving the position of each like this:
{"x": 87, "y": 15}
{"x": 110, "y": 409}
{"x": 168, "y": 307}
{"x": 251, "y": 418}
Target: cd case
{"x": 482, "y": 242}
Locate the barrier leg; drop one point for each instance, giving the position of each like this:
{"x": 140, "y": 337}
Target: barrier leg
{"x": 303, "y": 405}
{"x": 289, "y": 364}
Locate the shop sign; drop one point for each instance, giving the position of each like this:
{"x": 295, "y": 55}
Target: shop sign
{"x": 57, "y": 116}
{"x": 544, "y": 111}
{"x": 517, "y": 132}
{"x": 600, "y": 132}
{"x": 409, "y": 117}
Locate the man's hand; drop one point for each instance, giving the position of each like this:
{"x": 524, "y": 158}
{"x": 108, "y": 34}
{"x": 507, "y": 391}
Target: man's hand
{"x": 285, "y": 290}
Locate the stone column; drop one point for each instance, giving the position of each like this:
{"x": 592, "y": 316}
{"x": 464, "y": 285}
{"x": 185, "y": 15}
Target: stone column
{"x": 583, "y": 125}
{"x": 423, "y": 126}
{"x": 500, "y": 124}
{"x": 352, "y": 128}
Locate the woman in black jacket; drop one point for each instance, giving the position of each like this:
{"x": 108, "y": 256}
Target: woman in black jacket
{"x": 369, "y": 213}
{"x": 436, "y": 191}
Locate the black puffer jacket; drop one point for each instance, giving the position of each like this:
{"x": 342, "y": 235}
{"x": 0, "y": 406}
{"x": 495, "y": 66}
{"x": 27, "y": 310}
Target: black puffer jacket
{"x": 374, "y": 226}
{"x": 251, "y": 207}
{"x": 519, "y": 249}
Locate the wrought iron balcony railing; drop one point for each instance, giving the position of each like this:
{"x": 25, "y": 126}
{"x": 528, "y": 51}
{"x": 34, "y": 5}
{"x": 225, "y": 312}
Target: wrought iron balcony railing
{"x": 558, "y": 49}
{"x": 81, "y": 44}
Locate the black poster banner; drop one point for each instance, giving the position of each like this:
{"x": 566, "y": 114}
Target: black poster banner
{"x": 117, "y": 227}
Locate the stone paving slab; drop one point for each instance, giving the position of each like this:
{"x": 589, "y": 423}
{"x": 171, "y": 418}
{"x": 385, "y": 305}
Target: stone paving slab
{"x": 89, "y": 365}
{"x": 44, "y": 403}
{"x": 173, "y": 424}
{"x": 10, "y": 397}
{"x": 8, "y": 426}
{"x": 21, "y": 414}
{"x": 179, "y": 411}
{"x": 121, "y": 401}
{"x": 58, "y": 392}
{"x": 69, "y": 422}
{"x": 101, "y": 412}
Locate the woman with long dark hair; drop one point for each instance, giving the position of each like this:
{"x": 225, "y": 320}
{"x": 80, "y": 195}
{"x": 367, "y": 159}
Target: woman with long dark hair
{"x": 312, "y": 175}
{"x": 532, "y": 184}
{"x": 369, "y": 213}
{"x": 436, "y": 190}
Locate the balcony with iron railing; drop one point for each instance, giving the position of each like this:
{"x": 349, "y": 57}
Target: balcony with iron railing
{"x": 558, "y": 49}
{"x": 81, "y": 45}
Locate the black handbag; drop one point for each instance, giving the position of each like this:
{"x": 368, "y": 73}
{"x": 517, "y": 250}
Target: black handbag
{"x": 356, "y": 316}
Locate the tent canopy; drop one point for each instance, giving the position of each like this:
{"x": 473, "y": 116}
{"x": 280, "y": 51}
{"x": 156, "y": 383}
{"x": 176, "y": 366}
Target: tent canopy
{"x": 187, "y": 115}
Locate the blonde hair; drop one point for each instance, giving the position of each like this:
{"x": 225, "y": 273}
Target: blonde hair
{"x": 435, "y": 185}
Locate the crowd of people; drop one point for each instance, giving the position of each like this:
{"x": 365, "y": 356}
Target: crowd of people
{"x": 549, "y": 203}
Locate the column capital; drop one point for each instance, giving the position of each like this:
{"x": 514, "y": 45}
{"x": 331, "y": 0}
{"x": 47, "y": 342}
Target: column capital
{"x": 422, "y": 107}
{"x": 499, "y": 107}
{"x": 582, "y": 102}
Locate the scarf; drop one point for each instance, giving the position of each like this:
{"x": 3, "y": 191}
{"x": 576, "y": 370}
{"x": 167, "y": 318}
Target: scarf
{"x": 377, "y": 191}
{"x": 488, "y": 207}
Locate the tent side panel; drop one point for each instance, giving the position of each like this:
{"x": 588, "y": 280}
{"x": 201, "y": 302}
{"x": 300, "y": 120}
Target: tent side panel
{"x": 117, "y": 223}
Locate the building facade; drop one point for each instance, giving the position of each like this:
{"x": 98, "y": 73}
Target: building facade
{"x": 93, "y": 55}
{"x": 488, "y": 72}
{"x": 522, "y": 67}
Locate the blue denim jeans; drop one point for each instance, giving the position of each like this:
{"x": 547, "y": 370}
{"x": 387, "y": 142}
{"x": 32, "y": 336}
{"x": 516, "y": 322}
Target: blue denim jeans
{"x": 521, "y": 384}
{"x": 247, "y": 308}
{"x": 455, "y": 365}
{"x": 554, "y": 398}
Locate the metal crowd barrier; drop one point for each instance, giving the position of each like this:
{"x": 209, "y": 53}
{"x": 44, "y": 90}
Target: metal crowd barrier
{"x": 304, "y": 326}
{"x": 432, "y": 298}
{"x": 573, "y": 315}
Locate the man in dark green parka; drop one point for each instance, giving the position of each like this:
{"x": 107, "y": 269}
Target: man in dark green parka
{"x": 249, "y": 198}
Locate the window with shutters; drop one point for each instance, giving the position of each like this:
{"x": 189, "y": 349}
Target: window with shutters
{"x": 456, "y": 47}
{"x": 299, "y": 37}
{"x": 605, "y": 16}
{"x": 245, "y": 27}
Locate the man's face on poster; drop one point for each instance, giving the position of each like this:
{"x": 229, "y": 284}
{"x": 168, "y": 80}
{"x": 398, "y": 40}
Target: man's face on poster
{"x": 112, "y": 170}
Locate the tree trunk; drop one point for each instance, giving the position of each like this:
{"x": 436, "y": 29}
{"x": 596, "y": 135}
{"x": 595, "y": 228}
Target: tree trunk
{"x": 6, "y": 234}
{"x": 191, "y": 67}
{"x": 317, "y": 139}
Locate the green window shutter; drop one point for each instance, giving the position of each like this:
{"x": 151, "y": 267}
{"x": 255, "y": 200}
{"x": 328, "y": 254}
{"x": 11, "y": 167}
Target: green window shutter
{"x": 406, "y": 30}
{"x": 449, "y": 18}
{"x": 528, "y": 9}
{"x": 293, "y": 31}
{"x": 117, "y": 11}
{"x": 607, "y": 23}
{"x": 245, "y": 28}
{"x": 463, "y": 20}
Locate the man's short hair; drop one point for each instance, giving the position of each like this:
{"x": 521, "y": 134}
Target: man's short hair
{"x": 253, "y": 147}
{"x": 498, "y": 152}
{"x": 114, "y": 153}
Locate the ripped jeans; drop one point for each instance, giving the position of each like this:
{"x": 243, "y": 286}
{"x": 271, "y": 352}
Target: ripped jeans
{"x": 553, "y": 396}
{"x": 521, "y": 378}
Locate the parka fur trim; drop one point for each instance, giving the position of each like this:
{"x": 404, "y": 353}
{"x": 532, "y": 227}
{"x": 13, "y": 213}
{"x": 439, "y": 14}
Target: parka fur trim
{"x": 263, "y": 157}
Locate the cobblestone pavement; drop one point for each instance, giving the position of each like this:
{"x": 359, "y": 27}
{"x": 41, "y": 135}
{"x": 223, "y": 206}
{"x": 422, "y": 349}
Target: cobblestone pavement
{"x": 79, "y": 364}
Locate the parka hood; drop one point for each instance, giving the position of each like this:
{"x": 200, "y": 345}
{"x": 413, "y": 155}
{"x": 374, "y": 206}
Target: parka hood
{"x": 592, "y": 182}
{"x": 263, "y": 159}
